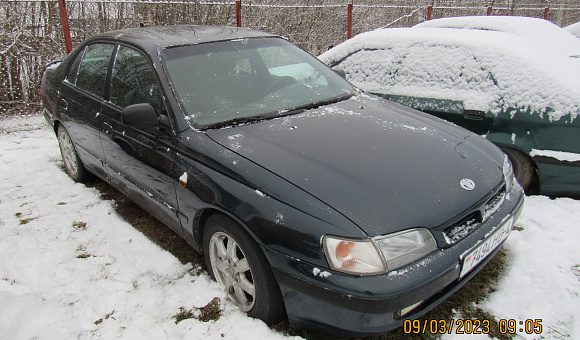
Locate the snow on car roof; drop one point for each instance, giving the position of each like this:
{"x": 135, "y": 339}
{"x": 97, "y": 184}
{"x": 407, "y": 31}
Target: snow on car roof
{"x": 538, "y": 30}
{"x": 438, "y": 63}
{"x": 574, "y": 29}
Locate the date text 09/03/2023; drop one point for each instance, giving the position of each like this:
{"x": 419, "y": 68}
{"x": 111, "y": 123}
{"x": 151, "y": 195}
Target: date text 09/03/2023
{"x": 468, "y": 326}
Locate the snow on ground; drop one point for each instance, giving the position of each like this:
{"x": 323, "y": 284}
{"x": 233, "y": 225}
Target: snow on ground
{"x": 61, "y": 278}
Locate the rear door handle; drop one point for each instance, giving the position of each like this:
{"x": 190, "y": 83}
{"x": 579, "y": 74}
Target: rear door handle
{"x": 107, "y": 129}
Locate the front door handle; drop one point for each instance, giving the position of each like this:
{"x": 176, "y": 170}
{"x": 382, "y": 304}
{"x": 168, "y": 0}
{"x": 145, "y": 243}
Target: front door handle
{"x": 64, "y": 104}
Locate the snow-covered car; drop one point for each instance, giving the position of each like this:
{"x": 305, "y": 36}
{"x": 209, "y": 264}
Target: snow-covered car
{"x": 513, "y": 80}
{"x": 346, "y": 212}
{"x": 574, "y": 29}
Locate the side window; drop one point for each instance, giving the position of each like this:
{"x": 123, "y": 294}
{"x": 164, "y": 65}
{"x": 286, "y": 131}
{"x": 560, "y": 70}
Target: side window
{"x": 71, "y": 76}
{"x": 92, "y": 70}
{"x": 418, "y": 67}
{"x": 134, "y": 80}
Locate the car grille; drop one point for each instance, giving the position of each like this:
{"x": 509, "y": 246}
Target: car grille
{"x": 465, "y": 226}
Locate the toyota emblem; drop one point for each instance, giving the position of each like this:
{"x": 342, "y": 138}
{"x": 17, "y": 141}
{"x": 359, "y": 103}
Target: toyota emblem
{"x": 467, "y": 184}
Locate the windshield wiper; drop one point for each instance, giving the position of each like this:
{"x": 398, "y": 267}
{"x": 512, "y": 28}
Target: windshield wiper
{"x": 318, "y": 104}
{"x": 279, "y": 113}
{"x": 238, "y": 121}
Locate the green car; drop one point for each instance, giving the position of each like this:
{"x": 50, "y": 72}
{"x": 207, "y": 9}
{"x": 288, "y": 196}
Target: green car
{"x": 513, "y": 80}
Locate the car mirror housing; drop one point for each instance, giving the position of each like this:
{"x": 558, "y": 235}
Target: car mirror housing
{"x": 140, "y": 116}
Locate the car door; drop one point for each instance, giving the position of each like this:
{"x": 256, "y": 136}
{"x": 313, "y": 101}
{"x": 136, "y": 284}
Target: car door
{"x": 80, "y": 103}
{"x": 140, "y": 161}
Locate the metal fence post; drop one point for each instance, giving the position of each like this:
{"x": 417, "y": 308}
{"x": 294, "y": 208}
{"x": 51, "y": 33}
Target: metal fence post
{"x": 65, "y": 27}
{"x": 349, "y": 20}
{"x": 429, "y": 12}
{"x": 489, "y": 9}
{"x": 239, "y": 12}
{"x": 546, "y": 10}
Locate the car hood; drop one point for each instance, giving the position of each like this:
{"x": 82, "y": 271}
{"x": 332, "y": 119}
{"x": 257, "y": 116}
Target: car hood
{"x": 382, "y": 165}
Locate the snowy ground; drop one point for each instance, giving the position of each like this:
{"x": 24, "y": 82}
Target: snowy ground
{"x": 70, "y": 267}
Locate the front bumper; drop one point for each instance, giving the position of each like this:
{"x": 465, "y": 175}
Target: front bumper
{"x": 330, "y": 301}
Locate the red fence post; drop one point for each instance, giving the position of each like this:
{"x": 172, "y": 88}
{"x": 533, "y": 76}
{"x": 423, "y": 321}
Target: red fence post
{"x": 489, "y": 9}
{"x": 546, "y": 13}
{"x": 349, "y": 20}
{"x": 239, "y": 12}
{"x": 429, "y": 12}
{"x": 65, "y": 27}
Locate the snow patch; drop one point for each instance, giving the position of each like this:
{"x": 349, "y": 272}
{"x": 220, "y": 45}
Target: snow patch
{"x": 559, "y": 155}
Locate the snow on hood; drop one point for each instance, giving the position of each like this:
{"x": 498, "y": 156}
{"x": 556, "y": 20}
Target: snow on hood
{"x": 487, "y": 70}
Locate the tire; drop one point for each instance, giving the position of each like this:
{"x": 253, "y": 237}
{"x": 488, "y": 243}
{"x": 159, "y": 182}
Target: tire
{"x": 523, "y": 166}
{"x": 236, "y": 262}
{"x": 72, "y": 163}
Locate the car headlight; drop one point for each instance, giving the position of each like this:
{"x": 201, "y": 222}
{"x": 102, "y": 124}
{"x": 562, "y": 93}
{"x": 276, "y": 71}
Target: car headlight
{"x": 380, "y": 254}
{"x": 353, "y": 256}
{"x": 405, "y": 247}
{"x": 508, "y": 172}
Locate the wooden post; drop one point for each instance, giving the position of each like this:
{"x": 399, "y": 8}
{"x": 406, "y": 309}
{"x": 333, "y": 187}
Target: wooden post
{"x": 349, "y": 20}
{"x": 239, "y": 12}
{"x": 546, "y": 13}
{"x": 65, "y": 27}
{"x": 429, "y": 12}
{"x": 489, "y": 9}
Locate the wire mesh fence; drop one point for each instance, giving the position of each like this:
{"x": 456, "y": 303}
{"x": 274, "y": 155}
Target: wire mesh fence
{"x": 32, "y": 34}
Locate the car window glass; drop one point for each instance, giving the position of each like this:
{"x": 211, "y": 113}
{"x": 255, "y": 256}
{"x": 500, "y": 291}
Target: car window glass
{"x": 283, "y": 64}
{"x": 93, "y": 69}
{"x": 71, "y": 76}
{"x": 134, "y": 80}
{"x": 232, "y": 81}
{"x": 419, "y": 67}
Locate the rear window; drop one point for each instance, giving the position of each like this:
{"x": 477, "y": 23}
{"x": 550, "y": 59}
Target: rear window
{"x": 92, "y": 70}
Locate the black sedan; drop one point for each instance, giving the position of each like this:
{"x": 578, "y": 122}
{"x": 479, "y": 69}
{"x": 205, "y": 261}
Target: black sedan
{"x": 346, "y": 212}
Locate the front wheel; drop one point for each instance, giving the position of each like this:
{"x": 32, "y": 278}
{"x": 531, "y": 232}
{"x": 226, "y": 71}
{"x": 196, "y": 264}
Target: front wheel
{"x": 236, "y": 262}
{"x": 523, "y": 166}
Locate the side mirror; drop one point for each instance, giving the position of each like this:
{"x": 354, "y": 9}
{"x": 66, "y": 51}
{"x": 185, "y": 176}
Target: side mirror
{"x": 340, "y": 72}
{"x": 140, "y": 116}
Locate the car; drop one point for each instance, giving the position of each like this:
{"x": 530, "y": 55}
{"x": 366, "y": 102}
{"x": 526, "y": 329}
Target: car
{"x": 512, "y": 80}
{"x": 574, "y": 29}
{"x": 310, "y": 200}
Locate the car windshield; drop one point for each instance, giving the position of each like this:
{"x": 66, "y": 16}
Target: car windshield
{"x": 228, "y": 82}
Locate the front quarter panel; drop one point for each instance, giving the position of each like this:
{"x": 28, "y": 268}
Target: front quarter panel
{"x": 277, "y": 214}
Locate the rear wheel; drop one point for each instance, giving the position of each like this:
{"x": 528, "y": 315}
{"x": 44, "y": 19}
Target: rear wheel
{"x": 236, "y": 262}
{"x": 523, "y": 166}
{"x": 72, "y": 163}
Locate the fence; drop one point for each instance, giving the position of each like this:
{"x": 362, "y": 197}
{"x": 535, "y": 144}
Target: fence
{"x": 32, "y": 32}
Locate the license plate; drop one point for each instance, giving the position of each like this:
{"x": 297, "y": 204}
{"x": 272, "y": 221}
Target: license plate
{"x": 474, "y": 256}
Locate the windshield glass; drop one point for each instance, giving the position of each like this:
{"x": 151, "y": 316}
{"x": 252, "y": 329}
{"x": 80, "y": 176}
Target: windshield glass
{"x": 239, "y": 80}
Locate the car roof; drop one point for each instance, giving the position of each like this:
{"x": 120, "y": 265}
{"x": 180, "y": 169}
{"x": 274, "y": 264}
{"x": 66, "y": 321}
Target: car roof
{"x": 160, "y": 37}
{"x": 574, "y": 29}
{"x": 535, "y": 29}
